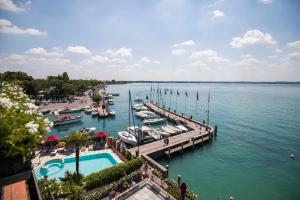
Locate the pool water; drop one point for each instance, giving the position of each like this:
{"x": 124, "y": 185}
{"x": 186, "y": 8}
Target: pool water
{"x": 87, "y": 164}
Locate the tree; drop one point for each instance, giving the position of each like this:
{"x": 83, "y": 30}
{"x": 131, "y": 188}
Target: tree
{"x": 77, "y": 139}
{"x": 65, "y": 76}
{"x": 97, "y": 98}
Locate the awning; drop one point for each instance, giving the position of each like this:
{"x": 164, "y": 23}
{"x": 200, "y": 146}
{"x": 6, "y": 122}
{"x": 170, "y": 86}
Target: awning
{"x": 53, "y": 138}
{"x": 101, "y": 134}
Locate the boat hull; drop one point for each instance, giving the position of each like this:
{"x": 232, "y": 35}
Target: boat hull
{"x": 67, "y": 121}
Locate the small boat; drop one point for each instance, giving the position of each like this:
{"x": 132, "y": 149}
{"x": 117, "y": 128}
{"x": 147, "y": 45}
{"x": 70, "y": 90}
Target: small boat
{"x": 146, "y": 114}
{"x": 111, "y": 112}
{"x": 141, "y": 108}
{"x": 71, "y": 110}
{"x": 181, "y": 127}
{"x": 88, "y": 110}
{"x": 154, "y": 133}
{"x": 109, "y": 96}
{"x": 162, "y": 132}
{"x": 138, "y": 99}
{"x": 45, "y": 112}
{"x": 94, "y": 113}
{"x": 114, "y": 94}
{"x": 137, "y": 105}
{"x": 292, "y": 156}
{"x": 171, "y": 129}
{"x": 154, "y": 121}
{"x": 88, "y": 130}
{"x": 66, "y": 119}
{"x": 128, "y": 138}
{"x": 111, "y": 102}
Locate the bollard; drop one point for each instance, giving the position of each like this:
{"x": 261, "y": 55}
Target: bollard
{"x": 216, "y": 130}
{"x": 167, "y": 172}
{"x": 178, "y": 179}
{"x": 203, "y": 121}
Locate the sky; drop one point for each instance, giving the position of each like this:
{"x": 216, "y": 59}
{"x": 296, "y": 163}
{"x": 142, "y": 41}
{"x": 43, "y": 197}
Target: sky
{"x": 184, "y": 40}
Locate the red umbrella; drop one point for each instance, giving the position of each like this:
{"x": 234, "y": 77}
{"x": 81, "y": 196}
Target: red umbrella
{"x": 101, "y": 134}
{"x": 53, "y": 138}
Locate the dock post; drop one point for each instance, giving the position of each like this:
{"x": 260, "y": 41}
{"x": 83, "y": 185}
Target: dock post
{"x": 193, "y": 143}
{"x": 181, "y": 148}
{"x": 174, "y": 111}
{"x": 167, "y": 172}
{"x": 169, "y": 152}
{"x": 202, "y": 139}
{"x": 203, "y": 121}
{"x": 178, "y": 179}
{"x": 216, "y": 130}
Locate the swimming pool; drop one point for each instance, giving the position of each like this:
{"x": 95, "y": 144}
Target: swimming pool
{"x": 88, "y": 164}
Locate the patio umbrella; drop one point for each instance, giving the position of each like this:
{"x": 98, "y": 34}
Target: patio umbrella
{"x": 101, "y": 134}
{"x": 51, "y": 139}
{"x": 61, "y": 144}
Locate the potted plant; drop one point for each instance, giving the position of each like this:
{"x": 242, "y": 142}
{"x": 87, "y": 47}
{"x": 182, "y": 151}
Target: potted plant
{"x": 21, "y": 131}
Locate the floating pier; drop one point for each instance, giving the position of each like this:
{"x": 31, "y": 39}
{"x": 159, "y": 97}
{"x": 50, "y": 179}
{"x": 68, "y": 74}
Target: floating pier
{"x": 199, "y": 133}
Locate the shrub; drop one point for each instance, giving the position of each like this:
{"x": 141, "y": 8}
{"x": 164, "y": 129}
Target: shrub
{"x": 111, "y": 174}
{"x": 174, "y": 190}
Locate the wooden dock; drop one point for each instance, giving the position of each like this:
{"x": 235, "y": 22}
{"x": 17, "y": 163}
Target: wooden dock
{"x": 199, "y": 134}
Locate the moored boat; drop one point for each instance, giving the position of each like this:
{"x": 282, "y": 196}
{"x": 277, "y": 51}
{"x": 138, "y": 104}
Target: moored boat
{"x": 69, "y": 110}
{"x": 138, "y": 99}
{"x": 111, "y": 112}
{"x": 127, "y": 137}
{"x": 66, "y": 119}
{"x": 181, "y": 127}
{"x": 154, "y": 121}
{"x": 88, "y": 130}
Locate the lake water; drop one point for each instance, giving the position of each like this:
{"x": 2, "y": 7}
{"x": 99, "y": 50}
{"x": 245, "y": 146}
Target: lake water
{"x": 258, "y": 128}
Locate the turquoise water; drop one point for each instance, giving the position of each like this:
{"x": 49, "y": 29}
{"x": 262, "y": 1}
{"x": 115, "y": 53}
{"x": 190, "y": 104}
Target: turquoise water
{"x": 258, "y": 128}
{"x": 87, "y": 165}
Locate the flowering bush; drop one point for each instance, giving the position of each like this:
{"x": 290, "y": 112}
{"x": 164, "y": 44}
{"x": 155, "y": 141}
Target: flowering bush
{"x": 21, "y": 127}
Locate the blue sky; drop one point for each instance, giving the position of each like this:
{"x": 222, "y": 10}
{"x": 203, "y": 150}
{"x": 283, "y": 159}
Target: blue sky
{"x": 231, "y": 40}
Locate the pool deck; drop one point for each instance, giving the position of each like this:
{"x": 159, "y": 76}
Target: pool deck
{"x": 41, "y": 159}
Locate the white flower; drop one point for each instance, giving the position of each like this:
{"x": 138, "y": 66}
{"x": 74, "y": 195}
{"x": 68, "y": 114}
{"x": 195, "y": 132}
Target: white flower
{"x": 6, "y": 102}
{"x": 32, "y": 128}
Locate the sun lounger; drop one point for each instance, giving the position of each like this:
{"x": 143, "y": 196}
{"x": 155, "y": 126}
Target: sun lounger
{"x": 53, "y": 152}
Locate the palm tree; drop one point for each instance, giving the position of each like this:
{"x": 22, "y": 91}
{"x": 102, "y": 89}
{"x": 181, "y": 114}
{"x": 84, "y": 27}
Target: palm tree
{"x": 77, "y": 139}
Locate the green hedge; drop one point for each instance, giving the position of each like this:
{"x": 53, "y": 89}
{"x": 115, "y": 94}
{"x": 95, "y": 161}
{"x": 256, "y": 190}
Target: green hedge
{"x": 174, "y": 191}
{"x": 111, "y": 174}
{"x": 104, "y": 191}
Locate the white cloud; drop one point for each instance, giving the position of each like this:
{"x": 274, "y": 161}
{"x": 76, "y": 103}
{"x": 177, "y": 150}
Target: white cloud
{"x": 265, "y": 1}
{"x": 294, "y": 55}
{"x": 145, "y": 60}
{"x": 100, "y": 59}
{"x": 295, "y": 44}
{"x": 252, "y": 37}
{"x": 179, "y": 52}
{"x": 78, "y": 50}
{"x": 208, "y": 56}
{"x": 123, "y": 52}
{"x": 9, "y": 5}
{"x": 218, "y": 13}
{"x": 185, "y": 43}
{"x": 247, "y": 60}
{"x": 7, "y": 27}
{"x": 278, "y": 51}
{"x": 37, "y": 51}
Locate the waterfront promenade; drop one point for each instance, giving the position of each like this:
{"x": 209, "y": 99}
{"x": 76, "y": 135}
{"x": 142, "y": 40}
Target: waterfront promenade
{"x": 80, "y": 102}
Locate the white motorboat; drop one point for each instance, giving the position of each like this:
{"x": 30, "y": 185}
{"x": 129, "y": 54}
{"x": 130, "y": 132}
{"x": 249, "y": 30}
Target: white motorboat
{"x": 154, "y": 133}
{"x": 137, "y": 105}
{"x": 162, "y": 132}
{"x": 111, "y": 112}
{"x": 181, "y": 127}
{"x": 71, "y": 110}
{"x": 138, "y": 99}
{"x": 88, "y": 130}
{"x": 141, "y": 108}
{"x": 146, "y": 114}
{"x": 66, "y": 119}
{"x": 171, "y": 129}
{"x": 127, "y": 137}
{"x": 111, "y": 102}
{"x": 154, "y": 121}
{"x": 114, "y": 94}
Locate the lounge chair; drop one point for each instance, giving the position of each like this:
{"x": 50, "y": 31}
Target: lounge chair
{"x": 53, "y": 152}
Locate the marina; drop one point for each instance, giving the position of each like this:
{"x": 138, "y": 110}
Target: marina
{"x": 199, "y": 134}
